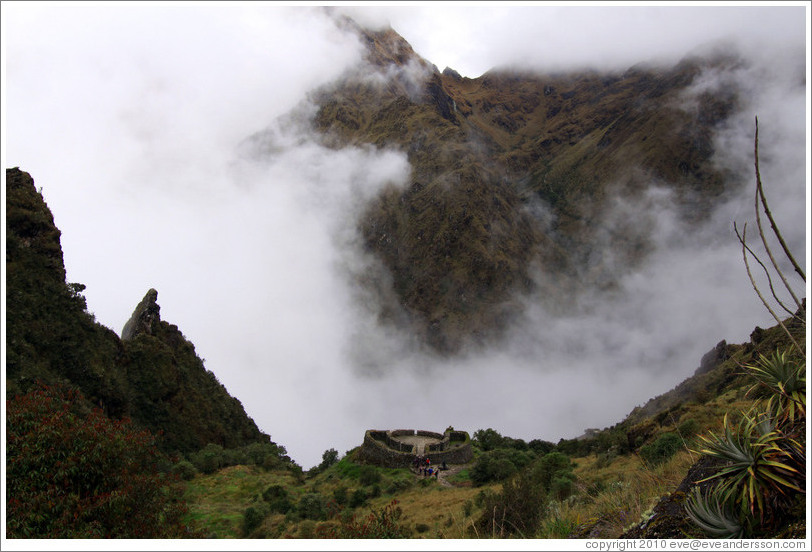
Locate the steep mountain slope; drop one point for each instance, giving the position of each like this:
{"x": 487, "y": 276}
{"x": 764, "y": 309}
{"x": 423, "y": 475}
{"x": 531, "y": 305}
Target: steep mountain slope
{"x": 514, "y": 177}
{"x": 153, "y": 375}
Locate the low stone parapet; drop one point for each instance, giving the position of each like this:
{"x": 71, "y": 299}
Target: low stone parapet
{"x": 383, "y": 448}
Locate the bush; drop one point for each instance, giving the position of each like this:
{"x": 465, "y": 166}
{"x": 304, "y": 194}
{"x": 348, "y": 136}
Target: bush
{"x": 688, "y": 428}
{"x": 541, "y": 447}
{"x": 184, "y": 470}
{"x": 380, "y": 524}
{"x": 209, "y": 459}
{"x": 516, "y": 510}
{"x": 307, "y": 529}
{"x": 551, "y": 467}
{"x": 340, "y": 496}
{"x": 492, "y": 466}
{"x": 277, "y": 498}
{"x": 358, "y": 498}
{"x": 252, "y": 518}
{"x": 368, "y": 475}
{"x": 562, "y": 485}
{"x": 72, "y": 472}
{"x": 312, "y": 506}
{"x": 398, "y": 485}
{"x": 662, "y": 449}
{"x": 329, "y": 458}
{"x": 488, "y": 439}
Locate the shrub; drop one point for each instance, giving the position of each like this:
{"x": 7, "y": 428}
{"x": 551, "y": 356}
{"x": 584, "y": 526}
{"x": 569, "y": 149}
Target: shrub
{"x": 714, "y": 517}
{"x": 312, "y": 506}
{"x": 184, "y": 470}
{"x": 759, "y": 463}
{"x": 358, "y": 498}
{"x": 329, "y": 458}
{"x": 782, "y": 379}
{"x": 516, "y": 510}
{"x": 764, "y": 457}
{"x": 492, "y": 466}
{"x": 252, "y": 518}
{"x": 662, "y": 449}
{"x": 488, "y": 439}
{"x": 379, "y": 524}
{"x": 307, "y": 529}
{"x": 398, "y": 485}
{"x": 541, "y": 447}
{"x": 368, "y": 475}
{"x": 562, "y": 485}
{"x": 688, "y": 428}
{"x": 550, "y": 467}
{"x": 277, "y": 498}
{"x": 74, "y": 473}
{"x": 340, "y": 496}
{"x": 209, "y": 459}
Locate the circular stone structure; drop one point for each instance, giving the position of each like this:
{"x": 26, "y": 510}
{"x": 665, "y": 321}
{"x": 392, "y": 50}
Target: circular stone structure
{"x": 398, "y": 448}
{"x": 418, "y": 442}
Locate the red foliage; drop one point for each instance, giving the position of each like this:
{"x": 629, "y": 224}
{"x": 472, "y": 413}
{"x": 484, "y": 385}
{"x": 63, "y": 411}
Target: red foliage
{"x": 381, "y": 524}
{"x": 77, "y": 474}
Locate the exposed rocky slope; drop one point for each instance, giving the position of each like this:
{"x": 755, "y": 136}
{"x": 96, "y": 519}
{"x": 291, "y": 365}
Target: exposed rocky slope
{"x": 152, "y": 375}
{"x": 514, "y": 177}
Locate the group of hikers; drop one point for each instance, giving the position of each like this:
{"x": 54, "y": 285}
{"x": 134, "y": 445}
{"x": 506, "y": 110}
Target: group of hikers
{"x": 422, "y": 465}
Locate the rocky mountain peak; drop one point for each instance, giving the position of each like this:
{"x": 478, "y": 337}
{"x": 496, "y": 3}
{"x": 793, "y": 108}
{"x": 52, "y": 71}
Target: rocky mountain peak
{"x": 145, "y": 317}
{"x": 517, "y": 170}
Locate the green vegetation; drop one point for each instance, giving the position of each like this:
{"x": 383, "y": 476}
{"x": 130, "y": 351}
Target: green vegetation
{"x": 663, "y": 448}
{"x": 763, "y": 474}
{"x": 74, "y": 473}
{"x": 155, "y": 379}
{"x": 135, "y": 438}
{"x": 762, "y": 478}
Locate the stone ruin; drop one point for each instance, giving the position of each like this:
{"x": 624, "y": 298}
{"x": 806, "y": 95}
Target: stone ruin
{"x": 398, "y": 448}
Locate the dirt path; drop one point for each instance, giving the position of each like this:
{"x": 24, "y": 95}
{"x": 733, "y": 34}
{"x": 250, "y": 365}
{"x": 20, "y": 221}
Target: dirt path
{"x": 443, "y": 476}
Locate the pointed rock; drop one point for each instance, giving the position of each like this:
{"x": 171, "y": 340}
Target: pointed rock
{"x": 145, "y": 317}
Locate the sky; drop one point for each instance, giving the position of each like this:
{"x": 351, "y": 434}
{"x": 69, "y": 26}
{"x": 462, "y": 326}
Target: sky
{"x": 131, "y": 116}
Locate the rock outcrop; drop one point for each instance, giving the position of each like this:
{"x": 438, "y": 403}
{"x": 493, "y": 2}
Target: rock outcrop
{"x": 150, "y": 374}
{"x": 144, "y": 318}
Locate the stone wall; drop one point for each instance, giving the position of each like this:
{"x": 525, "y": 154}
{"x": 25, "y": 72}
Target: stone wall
{"x": 383, "y": 449}
{"x": 377, "y": 451}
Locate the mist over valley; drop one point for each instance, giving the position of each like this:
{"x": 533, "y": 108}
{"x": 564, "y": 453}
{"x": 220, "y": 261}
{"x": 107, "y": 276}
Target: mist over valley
{"x": 353, "y": 238}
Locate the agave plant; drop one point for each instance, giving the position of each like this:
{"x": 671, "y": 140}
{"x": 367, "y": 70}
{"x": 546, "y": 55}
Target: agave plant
{"x": 757, "y": 465}
{"x": 784, "y": 379}
{"x": 714, "y": 517}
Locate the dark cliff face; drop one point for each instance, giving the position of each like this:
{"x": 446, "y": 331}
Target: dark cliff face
{"x": 152, "y": 375}
{"x": 514, "y": 172}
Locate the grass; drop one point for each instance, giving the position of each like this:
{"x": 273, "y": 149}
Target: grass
{"x": 613, "y": 492}
{"x": 612, "y": 498}
{"x": 440, "y": 508}
{"x": 217, "y": 502}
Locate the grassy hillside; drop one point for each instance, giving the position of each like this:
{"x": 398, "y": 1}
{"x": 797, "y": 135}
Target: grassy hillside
{"x": 630, "y": 480}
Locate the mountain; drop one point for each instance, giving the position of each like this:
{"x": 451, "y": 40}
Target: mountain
{"x": 152, "y": 374}
{"x": 515, "y": 176}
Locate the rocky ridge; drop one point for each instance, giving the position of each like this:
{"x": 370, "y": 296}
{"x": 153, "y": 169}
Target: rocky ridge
{"x": 514, "y": 177}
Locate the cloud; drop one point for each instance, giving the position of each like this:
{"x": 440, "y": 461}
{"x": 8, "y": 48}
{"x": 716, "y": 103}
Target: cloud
{"x": 548, "y": 37}
{"x": 134, "y": 120}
